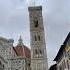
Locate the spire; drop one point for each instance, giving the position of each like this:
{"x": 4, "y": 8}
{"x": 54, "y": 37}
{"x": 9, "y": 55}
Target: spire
{"x": 34, "y": 2}
{"x": 20, "y": 41}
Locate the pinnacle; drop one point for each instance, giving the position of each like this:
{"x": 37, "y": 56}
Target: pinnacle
{"x": 20, "y": 41}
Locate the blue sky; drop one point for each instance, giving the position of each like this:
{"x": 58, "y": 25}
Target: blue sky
{"x": 14, "y": 21}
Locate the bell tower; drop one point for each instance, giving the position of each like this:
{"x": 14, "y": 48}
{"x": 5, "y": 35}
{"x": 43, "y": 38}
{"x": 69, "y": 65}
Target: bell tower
{"x": 38, "y": 46}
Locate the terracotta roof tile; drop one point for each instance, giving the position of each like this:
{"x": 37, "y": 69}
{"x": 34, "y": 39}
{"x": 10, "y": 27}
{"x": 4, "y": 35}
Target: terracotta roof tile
{"x": 23, "y": 51}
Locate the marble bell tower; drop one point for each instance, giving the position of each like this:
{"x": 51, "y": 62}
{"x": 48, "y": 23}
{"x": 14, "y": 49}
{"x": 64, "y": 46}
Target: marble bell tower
{"x": 38, "y": 45}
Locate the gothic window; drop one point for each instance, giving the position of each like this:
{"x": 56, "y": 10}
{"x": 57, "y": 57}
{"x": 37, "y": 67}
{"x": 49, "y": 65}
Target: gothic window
{"x": 36, "y": 52}
{"x": 64, "y": 64}
{"x": 68, "y": 64}
{"x": 3, "y": 66}
{"x": 36, "y": 23}
{"x": 40, "y": 52}
{"x": 0, "y": 62}
{"x": 39, "y": 38}
{"x": 35, "y": 38}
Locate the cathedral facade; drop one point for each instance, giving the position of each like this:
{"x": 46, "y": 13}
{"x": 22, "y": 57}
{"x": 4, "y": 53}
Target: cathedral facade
{"x": 14, "y": 58}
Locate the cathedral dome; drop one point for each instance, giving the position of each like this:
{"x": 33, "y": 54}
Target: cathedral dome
{"x": 22, "y": 50}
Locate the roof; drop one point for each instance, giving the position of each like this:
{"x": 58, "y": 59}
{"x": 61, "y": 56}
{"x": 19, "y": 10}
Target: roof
{"x": 22, "y": 50}
{"x": 67, "y": 38}
{"x": 35, "y": 8}
{"x": 53, "y": 67}
{"x": 59, "y": 53}
{"x": 2, "y": 39}
{"x": 62, "y": 47}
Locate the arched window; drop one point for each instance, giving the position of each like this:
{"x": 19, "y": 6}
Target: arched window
{"x": 40, "y": 52}
{"x": 0, "y": 62}
{"x": 68, "y": 64}
{"x": 3, "y": 66}
{"x": 35, "y": 38}
{"x": 36, "y": 52}
{"x": 39, "y": 37}
{"x": 36, "y": 23}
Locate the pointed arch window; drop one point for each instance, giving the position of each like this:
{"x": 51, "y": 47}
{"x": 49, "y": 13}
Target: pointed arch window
{"x": 39, "y": 37}
{"x": 0, "y": 62}
{"x": 36, "y": 23}
{"x": 40, "y": 51}
{"x": 35, "y": 38}
{"x": 36, "y": 51}
{"x": 68, "y": 64}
